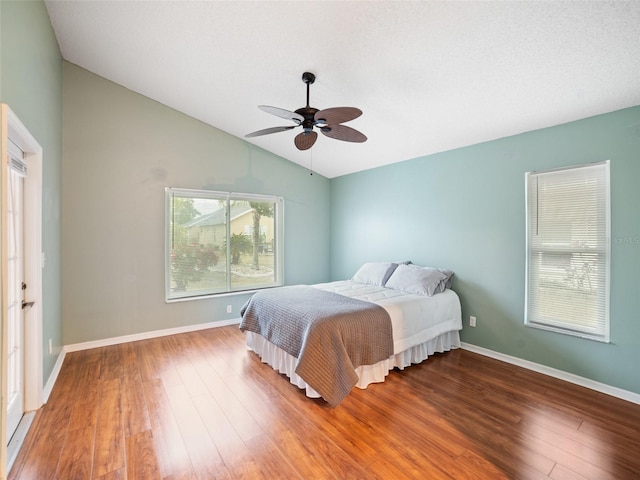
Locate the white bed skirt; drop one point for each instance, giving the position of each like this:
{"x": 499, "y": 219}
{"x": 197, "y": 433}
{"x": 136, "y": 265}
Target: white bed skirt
{"x": 285, "y": 363}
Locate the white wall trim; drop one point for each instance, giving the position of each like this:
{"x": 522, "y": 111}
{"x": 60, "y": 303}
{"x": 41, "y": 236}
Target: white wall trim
{"x": 48, "y": 387}
{"x": 552, "y": 372}
{"x": 75, "y": 347}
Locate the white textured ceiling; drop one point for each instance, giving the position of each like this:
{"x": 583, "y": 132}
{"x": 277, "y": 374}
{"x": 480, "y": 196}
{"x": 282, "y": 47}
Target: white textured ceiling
{"x": 429, "y": 76}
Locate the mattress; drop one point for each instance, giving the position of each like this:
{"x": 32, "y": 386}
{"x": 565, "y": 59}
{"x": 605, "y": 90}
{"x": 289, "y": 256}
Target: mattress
{"x": 414, "y": 318}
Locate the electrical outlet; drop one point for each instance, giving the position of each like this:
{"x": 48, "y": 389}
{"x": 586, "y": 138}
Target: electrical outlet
{"x": 229, "y": 309}
{"x": 472, "y": 321}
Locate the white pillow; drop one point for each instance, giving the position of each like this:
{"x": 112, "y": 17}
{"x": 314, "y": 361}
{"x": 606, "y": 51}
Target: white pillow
{"x": 415, "y": 279}
{"x": 374, "y": 273}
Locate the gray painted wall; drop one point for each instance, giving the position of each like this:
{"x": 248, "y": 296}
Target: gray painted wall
{"x": 120, "y": 151}
{"x": 465, "y": 210}
{"x": 31, "y": 84}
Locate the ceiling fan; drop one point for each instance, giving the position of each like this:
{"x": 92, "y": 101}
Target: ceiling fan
{"x": 329, "y": 121}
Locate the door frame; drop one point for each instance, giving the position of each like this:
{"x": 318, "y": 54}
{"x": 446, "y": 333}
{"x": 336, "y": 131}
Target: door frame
{"x": 13, "y": 128}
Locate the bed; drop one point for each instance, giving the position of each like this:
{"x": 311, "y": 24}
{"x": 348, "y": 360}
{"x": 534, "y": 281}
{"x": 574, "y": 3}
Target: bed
{"x": 328, "y": 338}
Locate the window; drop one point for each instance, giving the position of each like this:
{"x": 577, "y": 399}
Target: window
{"x": 218, "y": 242}
{"x": 568, "y": 251}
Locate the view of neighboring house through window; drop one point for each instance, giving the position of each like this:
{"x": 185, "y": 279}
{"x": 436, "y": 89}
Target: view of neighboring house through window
{"x": 219, "y": 242}
{"x": 568, "y": 250}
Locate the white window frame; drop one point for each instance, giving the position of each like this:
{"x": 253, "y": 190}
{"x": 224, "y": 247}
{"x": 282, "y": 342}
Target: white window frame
{"x": 227, "y": 197}
{"x": 540, "y": 252}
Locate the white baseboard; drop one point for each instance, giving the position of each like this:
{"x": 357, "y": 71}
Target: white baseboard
{"x": 75, "y": 347}
{"x": 46, "y": 391}
{"x": 552, "y": 372}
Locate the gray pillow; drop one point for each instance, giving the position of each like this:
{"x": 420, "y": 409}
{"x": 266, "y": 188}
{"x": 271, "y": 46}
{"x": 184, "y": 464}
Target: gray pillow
{"x": 374, "y": 273}
{"x": 415, "y": 279}
{"x": 446, "y": 283}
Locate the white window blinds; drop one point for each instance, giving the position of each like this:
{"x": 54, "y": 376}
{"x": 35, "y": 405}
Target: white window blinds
{"x": 568, "y": 231}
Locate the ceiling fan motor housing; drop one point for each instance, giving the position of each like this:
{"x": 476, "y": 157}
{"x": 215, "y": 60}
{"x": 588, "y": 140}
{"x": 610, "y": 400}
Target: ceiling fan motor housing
{"x": 308, "y": 113}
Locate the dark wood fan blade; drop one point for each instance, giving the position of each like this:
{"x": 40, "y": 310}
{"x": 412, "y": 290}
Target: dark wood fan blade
{"x": 342, "y": 132}
{"x": 335, "y": 115}
{"x": 282, "y": 113}
{"x": 267, "y": 131}
{"x": 305, "y": 140}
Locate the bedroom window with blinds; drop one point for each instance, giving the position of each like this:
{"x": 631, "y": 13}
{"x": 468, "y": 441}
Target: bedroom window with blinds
{"x": 568, "y": 251}
{"x": 219, "y": 242}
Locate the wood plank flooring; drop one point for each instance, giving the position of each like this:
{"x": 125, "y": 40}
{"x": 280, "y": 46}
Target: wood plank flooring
{"x": 201, "y": 406}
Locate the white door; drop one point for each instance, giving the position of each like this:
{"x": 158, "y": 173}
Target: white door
{"x": 16, "y": 289}
{"x": 21, "y": 261}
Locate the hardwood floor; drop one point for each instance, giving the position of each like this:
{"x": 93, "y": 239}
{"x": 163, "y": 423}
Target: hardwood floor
{"x": 201, "y": 406}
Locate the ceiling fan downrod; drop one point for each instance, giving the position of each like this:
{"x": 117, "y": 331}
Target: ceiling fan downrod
{"x": 308, "y": 112}
{"x": 308, "y": 78}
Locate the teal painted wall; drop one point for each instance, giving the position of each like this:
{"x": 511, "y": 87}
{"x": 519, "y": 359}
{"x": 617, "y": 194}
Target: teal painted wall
{"x": 31, "y": 84}
{"x": 121, "y": 150}
{"x": 465, "y": 210}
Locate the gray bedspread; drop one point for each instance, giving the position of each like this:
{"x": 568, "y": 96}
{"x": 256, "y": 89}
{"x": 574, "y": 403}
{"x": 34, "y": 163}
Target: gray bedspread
{"x": 328, "y": 333}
